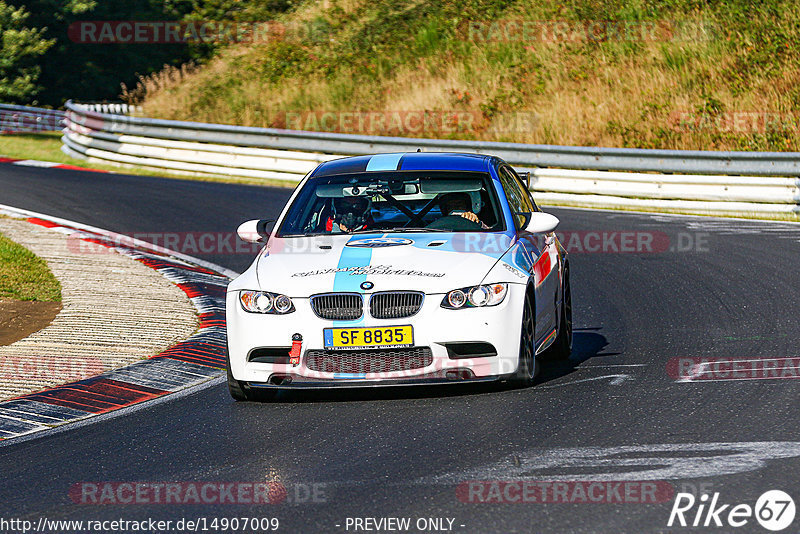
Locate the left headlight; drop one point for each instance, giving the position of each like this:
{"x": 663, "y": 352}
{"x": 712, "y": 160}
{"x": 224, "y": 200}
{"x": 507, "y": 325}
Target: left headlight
{"x": 265, "y": 302}
{"x": 475, "y": 296}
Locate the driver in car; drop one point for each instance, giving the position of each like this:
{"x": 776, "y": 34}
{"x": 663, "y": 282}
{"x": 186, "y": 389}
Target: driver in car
{"x": 350, "y": 214}
{"x": 457, "y": 213}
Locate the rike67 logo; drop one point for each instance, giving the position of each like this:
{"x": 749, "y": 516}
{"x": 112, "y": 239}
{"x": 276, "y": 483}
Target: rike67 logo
{"x": 774, "y": 510}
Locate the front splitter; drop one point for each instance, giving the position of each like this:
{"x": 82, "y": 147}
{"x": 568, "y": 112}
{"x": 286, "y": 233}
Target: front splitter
{"x": 304, "y": 382}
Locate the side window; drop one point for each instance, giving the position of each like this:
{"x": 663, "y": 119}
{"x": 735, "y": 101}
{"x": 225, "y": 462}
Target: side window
{"x": 527, "y": 193}
{"x": 519, "y": 199}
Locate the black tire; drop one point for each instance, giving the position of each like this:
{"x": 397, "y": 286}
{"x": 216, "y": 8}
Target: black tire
{"x": 234, "y": 386}
{"x": 528, "y": 366}
{"x": 562, "y": 346}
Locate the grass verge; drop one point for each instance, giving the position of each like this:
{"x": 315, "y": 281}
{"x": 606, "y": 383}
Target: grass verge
{"x": 24, "y": 275}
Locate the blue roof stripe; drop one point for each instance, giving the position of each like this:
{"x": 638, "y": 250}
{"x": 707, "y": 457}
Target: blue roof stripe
{"x": 437, "y": 161}
{"x": 384, "y": 162}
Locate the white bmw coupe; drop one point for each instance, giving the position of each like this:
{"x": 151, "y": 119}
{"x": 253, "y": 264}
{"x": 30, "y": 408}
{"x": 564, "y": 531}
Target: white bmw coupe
{"x": 392, "y": 269}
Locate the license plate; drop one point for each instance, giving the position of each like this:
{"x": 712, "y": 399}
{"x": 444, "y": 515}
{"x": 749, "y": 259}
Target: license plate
{"x": 359, "y": 338}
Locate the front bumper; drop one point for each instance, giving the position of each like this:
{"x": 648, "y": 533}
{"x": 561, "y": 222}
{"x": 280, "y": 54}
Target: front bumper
{"x": 434, "y": 327}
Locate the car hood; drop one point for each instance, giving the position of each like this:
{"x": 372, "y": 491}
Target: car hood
{"x": 428, "y": 262}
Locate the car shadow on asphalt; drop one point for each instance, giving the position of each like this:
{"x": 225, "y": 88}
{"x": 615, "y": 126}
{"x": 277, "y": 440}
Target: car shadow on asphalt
{"x": 586, "y": 344}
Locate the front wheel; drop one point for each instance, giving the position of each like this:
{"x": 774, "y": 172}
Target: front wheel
{"x": 528, "y": 366}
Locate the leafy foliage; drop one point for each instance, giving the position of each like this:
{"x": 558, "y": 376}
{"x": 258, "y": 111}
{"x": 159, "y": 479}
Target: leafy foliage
{"x": 92, "y": 71}
{"x": 21, "y": 47}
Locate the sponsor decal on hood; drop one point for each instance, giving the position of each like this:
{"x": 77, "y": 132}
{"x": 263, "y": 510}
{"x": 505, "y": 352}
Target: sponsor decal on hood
{"x": 369, "y": 270}
{"x": 379, "y": 242}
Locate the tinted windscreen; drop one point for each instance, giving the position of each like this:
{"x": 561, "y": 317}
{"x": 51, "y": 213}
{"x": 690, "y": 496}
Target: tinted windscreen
{"x": 395, "y": 202}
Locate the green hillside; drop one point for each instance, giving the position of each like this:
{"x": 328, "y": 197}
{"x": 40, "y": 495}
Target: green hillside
{"x": 653, "y": 74}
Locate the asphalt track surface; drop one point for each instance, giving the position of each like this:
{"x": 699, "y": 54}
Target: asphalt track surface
{"x": 402, "y": 453}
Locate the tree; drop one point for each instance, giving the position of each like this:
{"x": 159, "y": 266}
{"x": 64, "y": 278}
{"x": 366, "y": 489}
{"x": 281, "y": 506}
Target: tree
{"x": 20, "y": 48}
{"x": 88, "y": 71}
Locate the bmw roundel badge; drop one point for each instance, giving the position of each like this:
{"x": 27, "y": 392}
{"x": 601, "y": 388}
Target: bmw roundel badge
{"x": 366, "y": 286}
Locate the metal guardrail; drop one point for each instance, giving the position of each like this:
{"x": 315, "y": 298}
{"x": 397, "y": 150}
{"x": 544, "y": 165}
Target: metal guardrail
{"x": 559, "y": 174}
{"x": 288, "y": 155}
{"x": 624, "y": 159}
{"x": 28, "y": 119}
{"x": 701, "y": 193}
{"x": 129, "y": 141}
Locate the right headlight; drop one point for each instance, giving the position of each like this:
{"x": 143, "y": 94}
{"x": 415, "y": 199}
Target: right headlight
{"x": 265, "y": 302}
{"x": 475, "y": 296}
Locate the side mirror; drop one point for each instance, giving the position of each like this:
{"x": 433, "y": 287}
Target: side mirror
{"x": 540, "y": 223}
{"x": 254, "y": 231}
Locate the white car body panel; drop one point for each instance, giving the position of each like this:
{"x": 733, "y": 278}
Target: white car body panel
{"x": 431, "y": 262}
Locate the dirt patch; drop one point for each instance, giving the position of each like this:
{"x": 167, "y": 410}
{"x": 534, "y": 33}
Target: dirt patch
{"x": 21, "y": 318}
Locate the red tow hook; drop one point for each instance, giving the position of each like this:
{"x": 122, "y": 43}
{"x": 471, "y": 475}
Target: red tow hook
{"x": 297, "y": 345}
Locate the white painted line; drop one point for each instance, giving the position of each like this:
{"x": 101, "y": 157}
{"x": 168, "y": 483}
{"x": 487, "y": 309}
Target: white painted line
{"x": 696, "y": 370}
{"x": 35, "y": 163}
{"x": 702, "y": 368}
{"x": 703, "y": 380}
{"x": 668, "y": 461}
{"x": 615, "y": 381}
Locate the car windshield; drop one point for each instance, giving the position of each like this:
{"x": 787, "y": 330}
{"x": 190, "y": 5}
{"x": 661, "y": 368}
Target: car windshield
{"x": 397, "y": 201}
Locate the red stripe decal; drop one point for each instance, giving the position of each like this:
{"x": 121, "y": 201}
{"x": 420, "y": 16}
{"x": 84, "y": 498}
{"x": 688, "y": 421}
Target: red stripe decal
{"x": 542, "y": 267}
